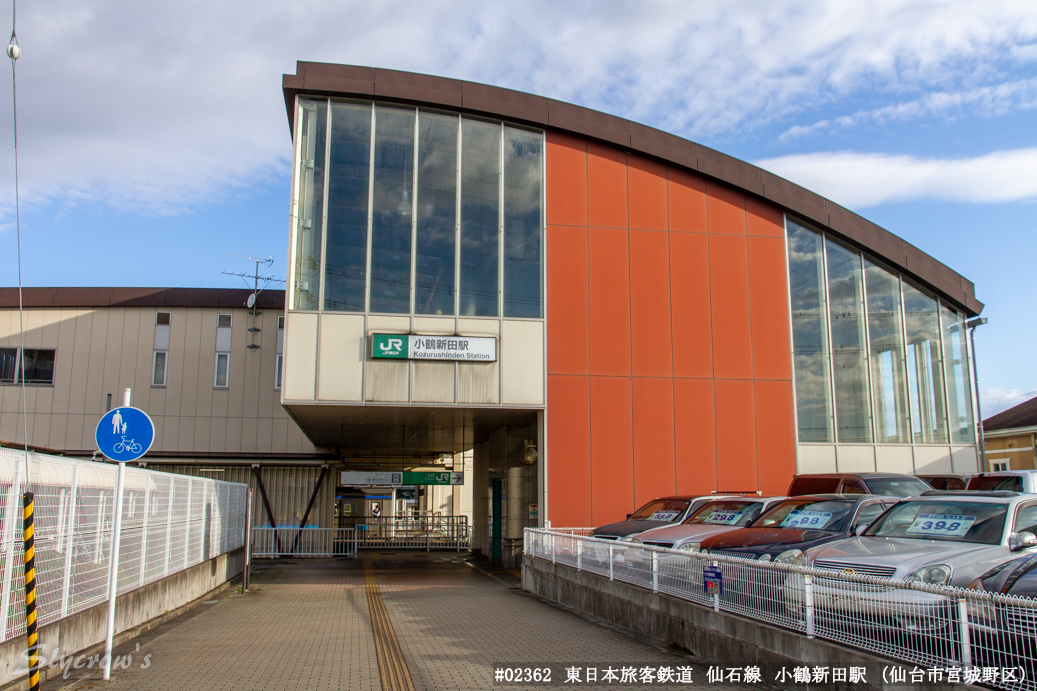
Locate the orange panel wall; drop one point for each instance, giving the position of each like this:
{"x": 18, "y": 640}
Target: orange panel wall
{"x": 668, "y": 336}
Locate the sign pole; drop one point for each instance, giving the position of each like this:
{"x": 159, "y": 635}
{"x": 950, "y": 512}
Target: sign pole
{"x": 113, "y": 571}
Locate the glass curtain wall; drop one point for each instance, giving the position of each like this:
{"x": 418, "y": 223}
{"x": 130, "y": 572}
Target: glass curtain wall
{"x": 345, "y": 255}
{"x": 523, "y": 181}
{"x": 886, "y": 335}
{"x": 437, "y": 214}
{"x": 312, "y": 152}
{"x": 480, "y": 218}
{"x": 849, "y": 344}
{"x": 892, "y": 358}
{"x": 924, "y": 367}
{"x": 810, "y": 334}
{"x": 392, "y": 211}
{"x": 425, "y": 213}
{"x": 955, "y": 354}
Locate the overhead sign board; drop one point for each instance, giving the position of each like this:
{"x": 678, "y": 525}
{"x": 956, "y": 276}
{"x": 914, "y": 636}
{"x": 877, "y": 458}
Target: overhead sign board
{"x": 124, "y": 434}
{"x": 452, "y": 348}
{"x": 361, "y": 478}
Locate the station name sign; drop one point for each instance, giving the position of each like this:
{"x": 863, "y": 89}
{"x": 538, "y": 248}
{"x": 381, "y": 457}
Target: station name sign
{"x": 452, "y": 348}
{"x": 355, "y": 478}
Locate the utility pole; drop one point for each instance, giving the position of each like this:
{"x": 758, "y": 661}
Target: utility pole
{"x": 256, "y": 290}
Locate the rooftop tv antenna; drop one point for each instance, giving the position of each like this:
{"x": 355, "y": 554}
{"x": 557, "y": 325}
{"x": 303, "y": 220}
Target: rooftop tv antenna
{"x": 255, "y": 277}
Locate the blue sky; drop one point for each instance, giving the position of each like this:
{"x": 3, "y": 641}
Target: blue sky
{"x": 154, "y": 141}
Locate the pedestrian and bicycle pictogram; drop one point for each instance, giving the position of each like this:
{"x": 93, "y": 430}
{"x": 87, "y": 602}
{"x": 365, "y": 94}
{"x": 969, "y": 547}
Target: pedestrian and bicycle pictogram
{"x": 125, "y": 434}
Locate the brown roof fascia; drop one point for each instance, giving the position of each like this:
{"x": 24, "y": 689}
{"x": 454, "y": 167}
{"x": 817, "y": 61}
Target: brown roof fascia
{"x": 351, "y": 81}
{"x": 226, "y": 298}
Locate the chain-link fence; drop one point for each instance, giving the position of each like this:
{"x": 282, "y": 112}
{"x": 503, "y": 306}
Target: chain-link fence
{"x": 971, "y": 636}
{"x": 169, "y": 523}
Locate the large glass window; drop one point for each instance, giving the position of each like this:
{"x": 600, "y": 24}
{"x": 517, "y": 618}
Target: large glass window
{"x": 437, "y": 214}
{"x": 8, "y": 363}
{"x": 312, "y": 144}
{"x": 522, "y": 222}
{"x": 345, "y": 255}
{"x": 38, "y": 366}
{"x": 885, "y": 329}
{"x": 849, "y": 347}
{"x": 480, "y": 218}
{"x": 423, "y": 211}
{"x": 809, "y": 334}
{"x": 924, "y": 367}
{"x": 959, "y": 387}
{"x": 393, "y": 210}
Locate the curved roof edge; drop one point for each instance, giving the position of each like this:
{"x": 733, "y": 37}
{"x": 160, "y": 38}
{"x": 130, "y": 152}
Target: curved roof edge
{"x": 469, "y": 97}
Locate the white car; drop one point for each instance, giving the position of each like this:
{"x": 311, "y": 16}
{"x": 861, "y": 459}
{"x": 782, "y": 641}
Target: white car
{"x": 937, "y": 538}
{"x": 713, "y": 518}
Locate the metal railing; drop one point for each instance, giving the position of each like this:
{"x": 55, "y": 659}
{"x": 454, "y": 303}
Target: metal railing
{"x": 304, "y": 542}
{"x": 415, "y": 532}
{"x": 169, "y": 523}
{"x": 974, "y": 636}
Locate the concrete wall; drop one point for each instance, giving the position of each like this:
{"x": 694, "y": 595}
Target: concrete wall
{"x": 716, "y": 637}
{"x": 135, "y": 612}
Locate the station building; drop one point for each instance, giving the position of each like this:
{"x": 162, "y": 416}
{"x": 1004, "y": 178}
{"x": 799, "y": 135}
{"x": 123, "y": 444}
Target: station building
{"x": 579, "y": 311}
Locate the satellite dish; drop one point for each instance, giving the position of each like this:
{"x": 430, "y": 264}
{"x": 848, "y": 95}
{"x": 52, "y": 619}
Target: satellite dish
{"x": 251, "y": 302}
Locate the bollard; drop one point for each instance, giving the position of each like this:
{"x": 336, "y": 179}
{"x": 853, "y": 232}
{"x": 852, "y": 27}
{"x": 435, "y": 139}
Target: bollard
{"x": 31, "y": 637}
{"x": 655, "y": 571}
{"x": 610, "y": 562}
{"x": 966, "y": 642}
{"x": 808, "y": 596}
{"x": 579, "y": 555}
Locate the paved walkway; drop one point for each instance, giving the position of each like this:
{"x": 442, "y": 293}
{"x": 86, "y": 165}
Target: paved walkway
{"x": 439, "y": 622}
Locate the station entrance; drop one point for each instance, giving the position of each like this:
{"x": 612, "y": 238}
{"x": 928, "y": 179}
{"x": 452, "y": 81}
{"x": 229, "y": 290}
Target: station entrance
{"x": 419, "y": 479}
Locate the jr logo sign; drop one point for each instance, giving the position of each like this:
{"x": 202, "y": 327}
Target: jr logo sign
{"x": 389, "y": 346}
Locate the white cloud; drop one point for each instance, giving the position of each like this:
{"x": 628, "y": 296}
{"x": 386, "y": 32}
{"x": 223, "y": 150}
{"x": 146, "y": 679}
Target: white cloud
{"x": 860, "y": 180}
{"x": 984, "y": 101}
{"x": 996, "y": 401}
{"x": 159, "y": 106}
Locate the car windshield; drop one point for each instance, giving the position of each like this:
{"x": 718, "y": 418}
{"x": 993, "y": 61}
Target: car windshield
{"x": 736, "y": 513}
{"x": 1012, "y": 483}
{"x": 814, "y": 514}
{"x": 956, "y": 521}
{"x": 897, "y": 487}
{"x": 660, "y": 510}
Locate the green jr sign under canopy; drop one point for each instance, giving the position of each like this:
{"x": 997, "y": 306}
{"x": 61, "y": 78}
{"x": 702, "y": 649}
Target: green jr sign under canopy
{"x": 415, "y": 347}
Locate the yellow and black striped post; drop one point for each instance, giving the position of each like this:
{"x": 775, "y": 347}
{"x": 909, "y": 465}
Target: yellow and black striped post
{"x": 31, "y": 637}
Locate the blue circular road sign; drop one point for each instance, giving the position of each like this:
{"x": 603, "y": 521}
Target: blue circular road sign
{"x": 125, "y": 434}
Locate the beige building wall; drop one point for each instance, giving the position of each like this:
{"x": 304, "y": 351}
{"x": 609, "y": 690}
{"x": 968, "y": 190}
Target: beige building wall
{"x": 102, "y": 350}
{"x": 1014, "y": 447}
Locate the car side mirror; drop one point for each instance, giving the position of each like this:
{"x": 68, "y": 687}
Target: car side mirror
{"x": 859, "y": 530}
{"x": 629, "y": 515}
{"x": 1021, "y": 540}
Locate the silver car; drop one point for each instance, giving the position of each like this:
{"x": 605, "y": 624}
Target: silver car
{"x": 713, "y": 518}
{"x": 937, "y": 538}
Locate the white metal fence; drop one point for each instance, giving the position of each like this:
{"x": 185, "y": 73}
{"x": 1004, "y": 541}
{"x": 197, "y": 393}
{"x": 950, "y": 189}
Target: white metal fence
{"x": 975, "y": 636}
{"x": 415, "y": 532}
{"x": 169, "y": 523}
{"x": 304, "y": 542}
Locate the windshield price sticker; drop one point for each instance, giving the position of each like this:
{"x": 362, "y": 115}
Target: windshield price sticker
{"x": 946, "y": 526}
{"x": 806, "y": 519}
{"x": 724, "y": 517}
{"x": 663, "y": 516}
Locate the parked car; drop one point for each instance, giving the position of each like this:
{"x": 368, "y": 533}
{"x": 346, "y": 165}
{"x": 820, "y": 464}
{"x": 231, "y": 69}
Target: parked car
{"x": 938, "y": 538}
{"x": 1010, "y": 480}
{"x": 888, "y": 484}
{"x": 1006, "y": 635}
{"x": 717, "y": 516}
{"x": 788, "y": 529}
{"x": 658, "y": 512}
{"x": 949, "y": 481}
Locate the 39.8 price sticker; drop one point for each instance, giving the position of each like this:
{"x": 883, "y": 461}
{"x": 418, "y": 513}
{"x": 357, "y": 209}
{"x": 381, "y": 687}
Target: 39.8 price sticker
{"x": 941, "y": 526}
